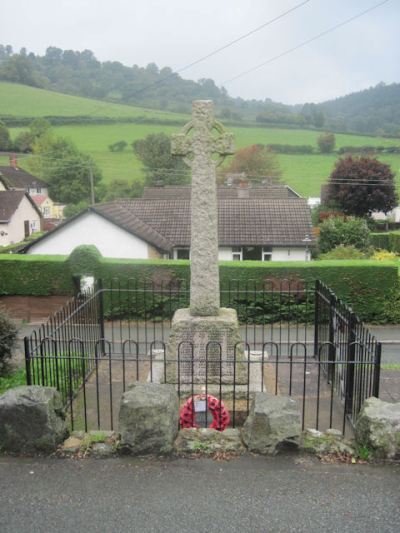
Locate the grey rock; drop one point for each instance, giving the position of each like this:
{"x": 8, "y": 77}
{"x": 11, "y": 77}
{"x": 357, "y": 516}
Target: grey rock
{"x": 208, "y": 441}
{"x": 274, "y": 422}
{"x": 378, "y": 428}
{"x": 149, "y": 418}
{"x": 331, "y": 442}
{"x": 102, "y": 450}
{"x": 32, "y": 420}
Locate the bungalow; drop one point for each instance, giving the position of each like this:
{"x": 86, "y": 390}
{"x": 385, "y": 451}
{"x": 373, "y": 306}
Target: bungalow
{"x": 19, "y": 217}
{"x": 264, "y": 225}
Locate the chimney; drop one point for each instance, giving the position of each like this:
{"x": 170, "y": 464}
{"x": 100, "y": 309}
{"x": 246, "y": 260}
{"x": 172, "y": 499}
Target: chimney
{"x": 13, "y": 161}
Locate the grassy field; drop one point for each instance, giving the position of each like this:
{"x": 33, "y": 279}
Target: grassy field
{"x": 305, "y": 173}
{"x": 23, "y": 101}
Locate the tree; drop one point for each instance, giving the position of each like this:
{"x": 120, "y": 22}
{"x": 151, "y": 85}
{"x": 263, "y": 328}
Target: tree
{"x": 326, "y": 142}
{"x": 161, "y": 166}
{"x": 256, "y": 161}
{"x": 361, "y": 185}
{"x": 120, "y": 189}
{"x": 338, "y": 231}
{"x": 66, "y": 170}
{"x": 119, "y": 146}
{"x": 25, "y": 139}
{"x": 5, "y": 140}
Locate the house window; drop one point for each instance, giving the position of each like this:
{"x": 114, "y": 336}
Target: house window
{"x": 46, "y": 212}
{"x": 267, "y": 253}
{"x": 251, "y": 253}
{"x": 182, "y": 253}
{"x": 237, "y": 254}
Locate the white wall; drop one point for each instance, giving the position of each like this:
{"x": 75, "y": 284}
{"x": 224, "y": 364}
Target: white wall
{"x": 15, "y": 229}
{"x": 288, "y": 254}
{"x": 225, "y": 253}
{"x": 91, "y": 228}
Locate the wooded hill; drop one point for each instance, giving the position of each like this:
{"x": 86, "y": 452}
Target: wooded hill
{"x": 375, "y": 111}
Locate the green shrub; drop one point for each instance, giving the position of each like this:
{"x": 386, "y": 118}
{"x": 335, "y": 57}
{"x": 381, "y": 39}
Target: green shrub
{"x": 386, "y": 241}
{"x": 85, "y": 261}
{"x": 344, "y": 252}
{"x": 34, "y": 275}
{"x": 340, "y": 231}
{"x": 8, "y": 336}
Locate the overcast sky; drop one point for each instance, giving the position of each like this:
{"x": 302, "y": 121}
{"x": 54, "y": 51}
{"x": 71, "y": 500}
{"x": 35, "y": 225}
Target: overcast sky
{"x": 177, "y": 32}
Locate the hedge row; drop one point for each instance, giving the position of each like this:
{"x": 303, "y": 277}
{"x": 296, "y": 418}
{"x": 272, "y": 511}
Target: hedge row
{"x": 13, "y": 122}
{"x": 370, "y": 287}
{"x": 386, "y": 241}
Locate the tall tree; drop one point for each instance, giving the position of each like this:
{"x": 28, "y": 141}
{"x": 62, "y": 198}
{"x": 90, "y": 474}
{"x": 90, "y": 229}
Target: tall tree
{"x": 161, "y": 167}
{"x": 257, "y": 162}
{"x": 66, "y": 170}
{"x": 326, "y": 142}
{"x": 361, "y": 185}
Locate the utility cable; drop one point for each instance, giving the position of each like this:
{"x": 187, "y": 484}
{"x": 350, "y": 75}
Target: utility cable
{"x": 304, "y": 43}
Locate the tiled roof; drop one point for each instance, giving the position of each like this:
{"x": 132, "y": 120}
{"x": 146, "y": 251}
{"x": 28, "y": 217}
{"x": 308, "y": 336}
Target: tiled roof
{"x": 9, "y": 202}
{"x": 241, "y": 222}
{"x": 128, "y": 220}
{"x": 271, "y": 191}
{"x": 20, "y": 179}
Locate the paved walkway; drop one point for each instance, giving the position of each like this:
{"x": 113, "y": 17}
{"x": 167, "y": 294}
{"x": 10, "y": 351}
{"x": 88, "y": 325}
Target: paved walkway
{"x": 250, "y": 494}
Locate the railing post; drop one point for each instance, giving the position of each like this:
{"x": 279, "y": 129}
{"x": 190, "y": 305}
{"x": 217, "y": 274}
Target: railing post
{"x": 27, "y": 362}
{"x": 101, "y": 316}
{"x": 377, "y": 370}
{"x": 316, "y": 317}
{"x": 332, "y": 320}
{"x": 351, "y": 352}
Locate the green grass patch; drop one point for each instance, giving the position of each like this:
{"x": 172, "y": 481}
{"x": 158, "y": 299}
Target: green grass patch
{"x": 12, "y": 380}
{"x": 390, "y": 366}
{"x": 23, "y": 101}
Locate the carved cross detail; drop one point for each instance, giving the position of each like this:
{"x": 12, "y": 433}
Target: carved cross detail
{"x": 199, "y": 140}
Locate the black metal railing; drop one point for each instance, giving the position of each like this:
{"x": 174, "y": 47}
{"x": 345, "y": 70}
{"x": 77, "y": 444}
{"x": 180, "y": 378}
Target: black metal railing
{"x": 299, "y": 339}
{"x": 340, "y": 335}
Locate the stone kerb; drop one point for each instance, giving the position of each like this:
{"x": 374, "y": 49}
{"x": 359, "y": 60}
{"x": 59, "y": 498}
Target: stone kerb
{"x": 149, "y": 419}
{"x": 32, "y": 420}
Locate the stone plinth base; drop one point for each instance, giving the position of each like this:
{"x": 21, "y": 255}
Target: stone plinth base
{"x": 205, "y": 349}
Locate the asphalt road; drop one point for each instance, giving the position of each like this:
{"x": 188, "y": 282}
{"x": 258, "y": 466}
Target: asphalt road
{"x": 249, "y": 494}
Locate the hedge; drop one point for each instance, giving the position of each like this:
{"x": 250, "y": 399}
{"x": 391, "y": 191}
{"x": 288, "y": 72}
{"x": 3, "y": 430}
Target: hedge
{"x": 370, "y": 287}
{"x": 386, "y": 241}
{"x": 34, "y": 275}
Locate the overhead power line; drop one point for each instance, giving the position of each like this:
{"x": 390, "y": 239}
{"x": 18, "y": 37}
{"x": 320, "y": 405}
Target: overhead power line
{"x": 221, "y": 48}
{"x": 304, "y": 43}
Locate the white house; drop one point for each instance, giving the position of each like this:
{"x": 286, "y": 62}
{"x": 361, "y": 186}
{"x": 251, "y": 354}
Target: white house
{"x": 19, "y": 217}
{"x": 265, "y": 225}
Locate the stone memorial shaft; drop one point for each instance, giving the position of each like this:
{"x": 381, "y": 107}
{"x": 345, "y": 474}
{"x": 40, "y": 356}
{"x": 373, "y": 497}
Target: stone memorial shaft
{"x": 200, "y": 139}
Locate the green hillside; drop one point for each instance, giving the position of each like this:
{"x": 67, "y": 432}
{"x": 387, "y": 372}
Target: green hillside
{"x": 23, "y": 101}
{"x": 305, "y": 173}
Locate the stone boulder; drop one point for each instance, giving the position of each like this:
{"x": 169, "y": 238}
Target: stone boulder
{"x": 274, "y": 422}
{"x": 32, "y": 420}
{"x": 378, "y": 428}
{"x": 149, "y": 419}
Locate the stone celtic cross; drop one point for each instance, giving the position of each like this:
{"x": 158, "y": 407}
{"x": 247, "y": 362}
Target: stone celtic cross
{"x": 200, "y": 140}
